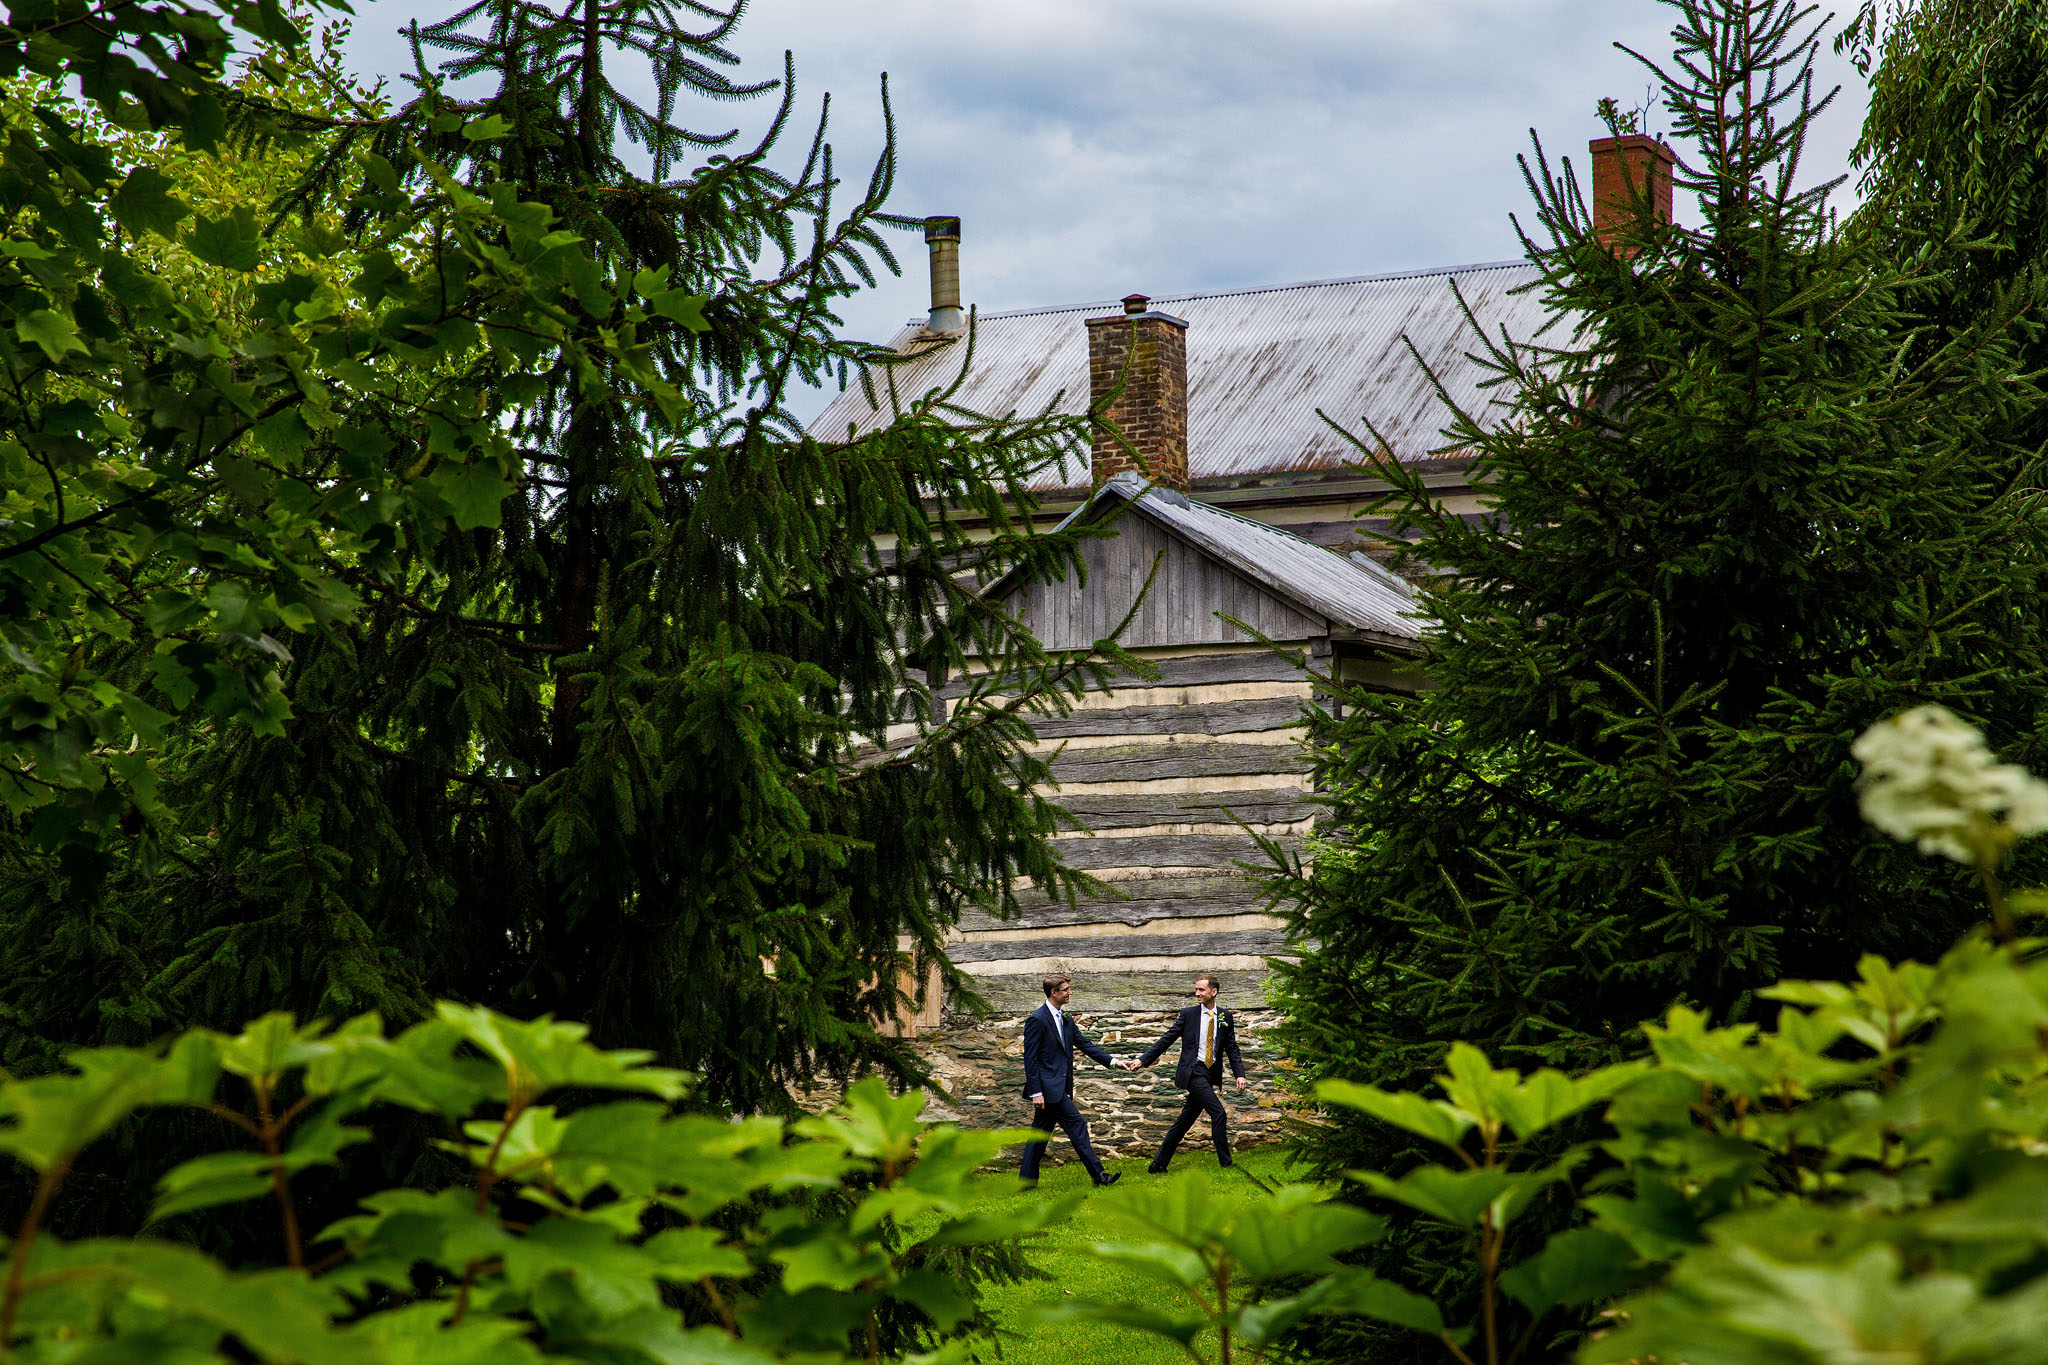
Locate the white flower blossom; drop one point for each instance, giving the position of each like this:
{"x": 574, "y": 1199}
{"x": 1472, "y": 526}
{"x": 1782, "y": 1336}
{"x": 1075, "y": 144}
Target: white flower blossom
{"x": 1929, "y": 777}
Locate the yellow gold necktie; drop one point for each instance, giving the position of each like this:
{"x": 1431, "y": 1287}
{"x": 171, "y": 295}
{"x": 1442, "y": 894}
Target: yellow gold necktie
{"x": 1208, "y": 1038}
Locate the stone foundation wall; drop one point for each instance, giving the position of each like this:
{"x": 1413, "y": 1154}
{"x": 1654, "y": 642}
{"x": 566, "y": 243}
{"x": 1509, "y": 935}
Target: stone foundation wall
{"x": 980, "y": 1062}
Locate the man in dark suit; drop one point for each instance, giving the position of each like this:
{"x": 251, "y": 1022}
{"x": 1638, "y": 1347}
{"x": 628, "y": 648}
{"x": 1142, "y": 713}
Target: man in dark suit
{"x": 1207, "y": 1035}
{"x": 1050, "y": 1038}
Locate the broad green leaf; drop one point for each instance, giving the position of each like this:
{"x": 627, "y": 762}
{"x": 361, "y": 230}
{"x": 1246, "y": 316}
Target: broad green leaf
{"x": 475, "y": 494}
{"x": 1461, "y": 1198}
{"x": 1881, "y": 1009}
{"x": 1441, "y": 1123}
{"x": 829, "y": 1260}
{"x": 685, "y": 1254}
{"x": 276, "y": 1315}
{"x": 656, "y": 1334}
{"x": 47, "y": 1119}
{"x": 543, "y": 1054}
{"x": 1176, "y": 1265}
{"x": 1547, "y": 1098}
{"x": 421, "y": 1334}
{"x": 1737, "y": 1305}
{"x": 56, "y": 334}
{"x": 524, "y": 1151}
{"x": 1578, "y": 1266}
{"x": 948, "y": 1157}
{"x": 898, "y": 1202}
{"x": 1350, "y": 1292}
{"x": 1724, "y": 1058}
{"x": 421, "y": 1069}
{"x": 207, "y": 1181}
{"x": 144, "y": 203}
{"x": 1362, "y": 1292}
{"x": 636, "y": 1149}
{"x": 1182, "y": 1329}
{"x": 1025, "y": 1220}
{"x": 688, "y": 309}
{"x": 938, "y": 1296}
{"x": 232, "y": 243}
{"x": 412, "y": 1227}
{"x": 2012, "y": 1207}
{"x": 1297, "y": 1235}
{"x": 1188, "y": 1209}
{"x": 611, "y": 1276}
{"x": 1257, "y": 1324}
{"x": 344, "y": 1066}
{"x": 1658, "y": 1221}
{"x": 272, "y": 1046}
{"x": 871, "y": 1123}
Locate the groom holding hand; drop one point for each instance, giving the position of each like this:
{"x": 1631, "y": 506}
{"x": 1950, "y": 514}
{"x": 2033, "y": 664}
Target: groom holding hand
{"x": 1050, "y": 1038}
{"x": 1207, "y": 1035}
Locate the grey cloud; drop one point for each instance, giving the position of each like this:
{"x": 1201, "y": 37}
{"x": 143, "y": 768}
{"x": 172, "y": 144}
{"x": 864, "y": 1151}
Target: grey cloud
{"x": 1095, "y": 147}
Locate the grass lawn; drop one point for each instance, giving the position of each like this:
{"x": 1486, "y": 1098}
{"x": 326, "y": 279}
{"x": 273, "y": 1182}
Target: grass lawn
{"x": 1060, "y": 1254}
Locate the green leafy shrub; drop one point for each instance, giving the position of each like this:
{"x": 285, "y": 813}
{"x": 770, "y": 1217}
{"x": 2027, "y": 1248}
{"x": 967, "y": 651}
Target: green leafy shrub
{"x": 610, "y": 1229}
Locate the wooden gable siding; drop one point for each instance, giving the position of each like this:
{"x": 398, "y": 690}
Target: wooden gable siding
{"x": 1188, "y": 591}
{"x": 1160, "y": 771}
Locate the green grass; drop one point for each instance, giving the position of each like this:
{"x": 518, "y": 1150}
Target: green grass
{"x": 1062, "y": 1254}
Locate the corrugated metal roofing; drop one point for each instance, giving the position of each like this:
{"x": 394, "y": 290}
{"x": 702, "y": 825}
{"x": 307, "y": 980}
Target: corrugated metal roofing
{"x": 1350, "y": 591}
{"x": 1260, "y": 364}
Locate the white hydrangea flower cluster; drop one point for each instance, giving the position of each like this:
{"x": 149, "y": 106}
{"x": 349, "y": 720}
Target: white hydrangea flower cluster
{"x": 1929, "y": 777}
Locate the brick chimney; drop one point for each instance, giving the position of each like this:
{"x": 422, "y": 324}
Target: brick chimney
{"x": 1624, "y": 168}
{"x": 1147, "y": 353}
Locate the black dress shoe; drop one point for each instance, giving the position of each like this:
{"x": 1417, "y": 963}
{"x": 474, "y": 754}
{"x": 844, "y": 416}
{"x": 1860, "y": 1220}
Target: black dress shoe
{"x": 1109, "y": 1178}
{"x": 1155, "y": 1170}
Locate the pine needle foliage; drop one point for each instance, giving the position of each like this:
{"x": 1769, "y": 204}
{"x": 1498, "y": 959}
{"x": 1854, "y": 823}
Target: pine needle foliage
{"x": 646, "y": 735}
{"x": 1745, "y": 501}
{"x": 1956, "y": 141}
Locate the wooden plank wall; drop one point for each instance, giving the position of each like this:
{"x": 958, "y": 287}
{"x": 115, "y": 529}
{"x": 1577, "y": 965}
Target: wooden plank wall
{"x": 1157, "y": 770}
{"x": 1187, "y": 592}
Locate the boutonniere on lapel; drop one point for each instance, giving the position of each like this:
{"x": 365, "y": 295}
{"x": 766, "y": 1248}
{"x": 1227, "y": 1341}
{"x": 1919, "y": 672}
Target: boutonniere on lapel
{"x": 1228, "y": 1022}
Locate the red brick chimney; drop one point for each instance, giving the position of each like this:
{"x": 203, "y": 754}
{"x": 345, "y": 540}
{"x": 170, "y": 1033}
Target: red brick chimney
{"x": 1624, "y": 169}
{"x": 1147, "y": 353}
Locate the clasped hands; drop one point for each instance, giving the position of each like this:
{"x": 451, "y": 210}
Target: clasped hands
{"x": 1132, "y": 1064}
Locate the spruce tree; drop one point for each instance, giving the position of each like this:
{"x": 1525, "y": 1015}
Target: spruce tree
{"x": 645, "y": 736}
{"x": 1747, "y": 500}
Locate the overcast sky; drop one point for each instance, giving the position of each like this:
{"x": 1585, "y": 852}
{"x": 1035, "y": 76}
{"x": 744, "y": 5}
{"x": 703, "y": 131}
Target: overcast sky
{"x": 1096, "y": 148}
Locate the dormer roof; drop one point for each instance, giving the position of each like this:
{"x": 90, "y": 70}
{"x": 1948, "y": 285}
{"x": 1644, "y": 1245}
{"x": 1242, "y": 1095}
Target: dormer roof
{"x": 1330, "y": 593}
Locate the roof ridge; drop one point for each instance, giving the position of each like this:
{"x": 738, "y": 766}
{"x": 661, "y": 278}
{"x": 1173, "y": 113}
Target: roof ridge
{"x": 1113, "y": 304}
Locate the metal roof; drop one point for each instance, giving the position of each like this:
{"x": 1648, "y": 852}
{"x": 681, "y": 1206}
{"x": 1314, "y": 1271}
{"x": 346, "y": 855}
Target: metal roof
{"x": 1350, "y": 590}
{"x": 1261, "y": 362}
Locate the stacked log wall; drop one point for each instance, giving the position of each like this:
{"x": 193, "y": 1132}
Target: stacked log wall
{"x": 1161, "y": 771}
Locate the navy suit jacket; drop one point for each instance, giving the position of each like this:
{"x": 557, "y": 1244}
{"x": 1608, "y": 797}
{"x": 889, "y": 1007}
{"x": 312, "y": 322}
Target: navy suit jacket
{"x": 1049, "y": 1064}
{"x": 1188, "y": 1028}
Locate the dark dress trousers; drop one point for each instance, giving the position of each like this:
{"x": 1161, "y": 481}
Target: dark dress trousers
{"x": 1049, "y": 1071}
{"x": 1199, "y": 1081}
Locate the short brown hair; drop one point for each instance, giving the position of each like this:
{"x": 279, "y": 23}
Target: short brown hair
{"x": 1215, "y": 981}
{"x": 1053, "y": 983}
